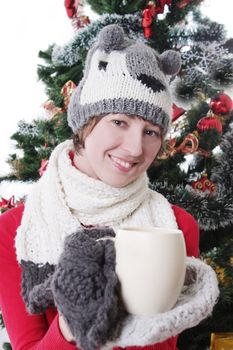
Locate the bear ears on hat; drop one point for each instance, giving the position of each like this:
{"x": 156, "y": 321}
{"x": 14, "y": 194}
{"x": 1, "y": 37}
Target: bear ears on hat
{"x": 112, "y": 37}
{"x": 170, "y": 62}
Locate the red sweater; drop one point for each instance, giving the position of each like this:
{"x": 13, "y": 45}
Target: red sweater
{"x": 41, "y": 332}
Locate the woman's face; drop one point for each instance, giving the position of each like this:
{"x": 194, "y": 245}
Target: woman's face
{"x": 119, "y": 149}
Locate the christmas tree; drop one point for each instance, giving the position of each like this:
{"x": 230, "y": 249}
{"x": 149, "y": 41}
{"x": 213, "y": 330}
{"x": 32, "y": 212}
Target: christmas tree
{"x": 194, "y": 167}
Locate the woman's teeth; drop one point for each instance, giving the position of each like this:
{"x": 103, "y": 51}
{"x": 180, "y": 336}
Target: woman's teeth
{"x": 124, "y": 164}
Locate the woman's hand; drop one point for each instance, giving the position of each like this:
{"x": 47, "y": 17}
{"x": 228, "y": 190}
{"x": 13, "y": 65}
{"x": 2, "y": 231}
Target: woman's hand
{"x": 86, "y": 289}
{"x": 65, "y": 331}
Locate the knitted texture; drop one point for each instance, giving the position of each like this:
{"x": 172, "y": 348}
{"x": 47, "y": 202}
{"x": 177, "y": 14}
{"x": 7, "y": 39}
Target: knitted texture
{"x": 35, "y": 286}
{"x": 64, "y": 198}
{"x": 66, "y": 266}
{"x": 86, "y": 288}
{"x": 124, "y": 76}
{"x": 196, "y": 302}
{"x": 86, "y": 292}
{"x": 40, "y": 297}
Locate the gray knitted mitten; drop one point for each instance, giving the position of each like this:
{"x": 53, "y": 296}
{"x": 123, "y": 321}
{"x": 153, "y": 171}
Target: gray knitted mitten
{"x": 36, "y": 291}
{"x": 86, "y": 288}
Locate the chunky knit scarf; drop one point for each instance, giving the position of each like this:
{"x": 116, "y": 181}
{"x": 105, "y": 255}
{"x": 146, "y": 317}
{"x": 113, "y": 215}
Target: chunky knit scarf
{"x": 64, "y": 199}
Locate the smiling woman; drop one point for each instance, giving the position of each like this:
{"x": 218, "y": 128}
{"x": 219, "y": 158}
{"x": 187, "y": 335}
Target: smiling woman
{"x": 70, "y": 293}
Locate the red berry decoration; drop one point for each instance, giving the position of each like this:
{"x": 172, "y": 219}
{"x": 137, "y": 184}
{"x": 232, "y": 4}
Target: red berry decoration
{"x": 209, "y": 122}
{"x": 222, "y": 104}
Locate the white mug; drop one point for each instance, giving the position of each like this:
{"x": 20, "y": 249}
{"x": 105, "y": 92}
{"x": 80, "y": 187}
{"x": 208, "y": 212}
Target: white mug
{"x": 150, "y": 265}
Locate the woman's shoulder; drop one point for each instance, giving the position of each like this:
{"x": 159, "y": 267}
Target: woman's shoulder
{"x": 10, "y": 221}
{"x": 183, "y": 216}
{"x": 188, "y": 224}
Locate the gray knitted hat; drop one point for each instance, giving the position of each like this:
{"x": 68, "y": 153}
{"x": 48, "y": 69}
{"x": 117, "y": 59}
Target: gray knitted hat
{"x": 124, "y": 76}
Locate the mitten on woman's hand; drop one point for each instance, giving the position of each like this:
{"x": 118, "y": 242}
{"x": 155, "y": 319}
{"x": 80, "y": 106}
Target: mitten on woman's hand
{"x": 36, "y": 291}
{"x": 196, "y": 302}
{"x": 86, "y": 288}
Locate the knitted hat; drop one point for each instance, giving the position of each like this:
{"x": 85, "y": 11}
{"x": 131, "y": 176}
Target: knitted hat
{"x": 124, "y": 76}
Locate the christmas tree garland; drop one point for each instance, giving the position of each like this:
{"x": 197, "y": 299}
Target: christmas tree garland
{"x": 69, "y": 54}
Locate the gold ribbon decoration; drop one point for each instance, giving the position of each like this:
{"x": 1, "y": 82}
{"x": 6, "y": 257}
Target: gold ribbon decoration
{"x": 188, "y": 145}
{"x": 66, "y": 92}
{"x": 51, "y": 109}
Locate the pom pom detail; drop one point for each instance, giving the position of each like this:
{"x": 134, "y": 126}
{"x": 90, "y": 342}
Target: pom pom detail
{"x": 111, "y": 38}
{"x": 170, "y": 62}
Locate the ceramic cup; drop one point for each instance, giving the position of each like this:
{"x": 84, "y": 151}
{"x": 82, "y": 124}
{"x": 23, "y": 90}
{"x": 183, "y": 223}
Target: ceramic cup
{"x": 150, "y": 264}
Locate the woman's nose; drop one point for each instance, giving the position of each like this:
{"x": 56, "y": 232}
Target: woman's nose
{"x": 133, "y": 144}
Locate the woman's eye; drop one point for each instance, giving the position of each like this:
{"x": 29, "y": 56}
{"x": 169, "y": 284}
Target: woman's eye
{"x": 153, "y": 133}
{"x": 118, "y": 122}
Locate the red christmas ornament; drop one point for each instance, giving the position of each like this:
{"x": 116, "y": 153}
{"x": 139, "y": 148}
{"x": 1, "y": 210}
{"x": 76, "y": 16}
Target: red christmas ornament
{"x": 209, "y": 122}
{"x": 222, "y": 104}
{"x": 177, "y": 112}
{"x": 204, "y": 184}
{"x": 70, "y": 8}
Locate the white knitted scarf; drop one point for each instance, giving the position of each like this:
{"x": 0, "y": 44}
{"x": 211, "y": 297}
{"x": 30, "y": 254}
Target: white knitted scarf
{"x": 64, "y": 198}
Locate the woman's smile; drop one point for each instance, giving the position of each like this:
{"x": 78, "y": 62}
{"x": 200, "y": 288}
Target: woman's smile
{"x": 122, "y": 165}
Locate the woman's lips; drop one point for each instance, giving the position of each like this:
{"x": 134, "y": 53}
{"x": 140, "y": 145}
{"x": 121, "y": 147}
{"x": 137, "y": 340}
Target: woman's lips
{"x": 123, "y": 165}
